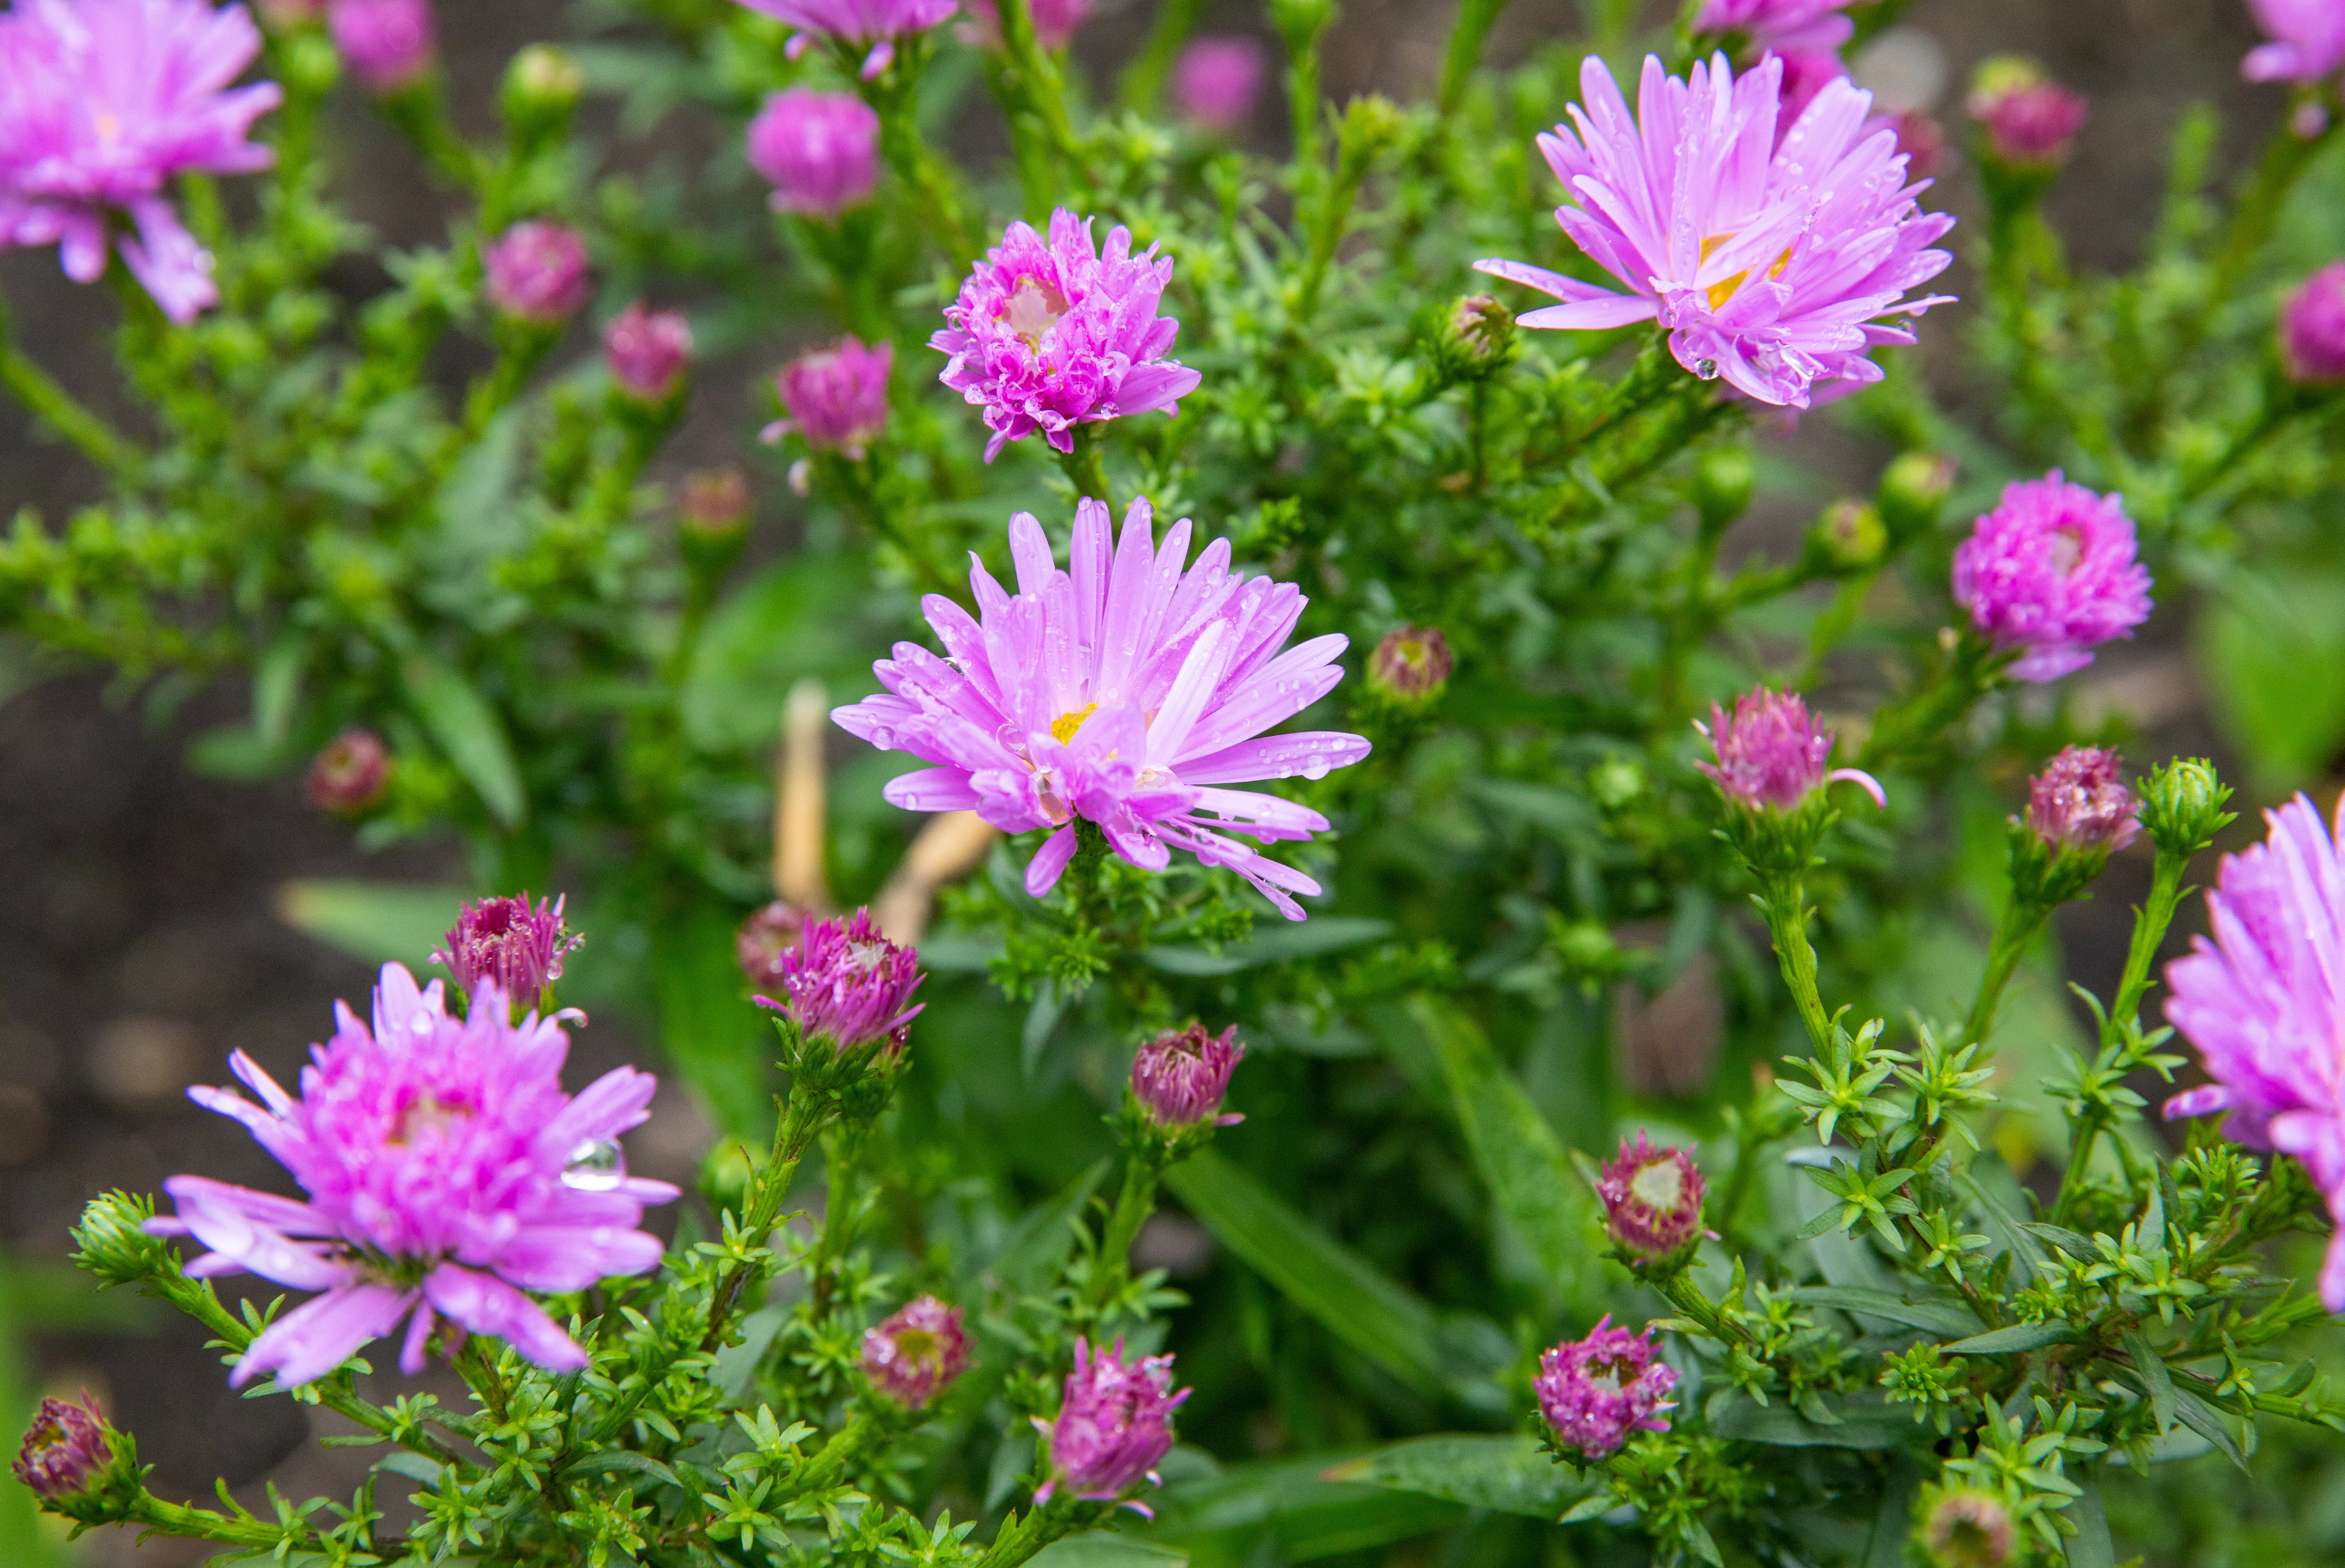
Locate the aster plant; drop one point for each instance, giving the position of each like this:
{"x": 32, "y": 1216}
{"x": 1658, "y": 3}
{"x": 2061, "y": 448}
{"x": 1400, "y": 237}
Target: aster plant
{"x": 1234, "y": 1009}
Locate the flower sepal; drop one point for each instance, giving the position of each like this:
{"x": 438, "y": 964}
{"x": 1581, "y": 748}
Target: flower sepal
{"x": 853, "y": 1082}
{"x": 2045, "y": 873}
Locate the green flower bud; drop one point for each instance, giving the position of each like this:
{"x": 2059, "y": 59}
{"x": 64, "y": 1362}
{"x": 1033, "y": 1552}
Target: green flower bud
{"x": 2182, "y": 807}
{"x": 1616, "y": 781}
{"x": 1477, "y": 338}
{"x": 542, "y": 90}
{"x": 1849, "y": 536}
{"x": 113, "y": 1244}
{"x": 1913, "y": 492}
{"x": 1301, "y": 21}
{"x": 1723, "y": 480}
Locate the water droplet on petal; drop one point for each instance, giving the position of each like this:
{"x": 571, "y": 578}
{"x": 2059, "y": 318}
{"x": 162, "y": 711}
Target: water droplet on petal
{"x": 596, "y": 1166}
{"x": 1315, "y": 767}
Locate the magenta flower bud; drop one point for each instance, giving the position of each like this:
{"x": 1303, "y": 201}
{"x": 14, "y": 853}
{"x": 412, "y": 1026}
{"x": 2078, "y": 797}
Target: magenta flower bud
{"x": 349, "y": 774}
{"x": 1114, "y": 1426}
{"x": 66, "y": 1450}
{"x": 1779, "y": 24}
{"x": 1048, "y": 335}
{"x": 2029, "y": 119}
{"x": 1652, "y": 1198}
{"x": 836, "y": 397}
{"x": 2050, "y": 573}
{"x": 1180, "y": 1076}
{"x": 647, "y": 352}
{"x": 1922, "y": 140}
{"x": 1217, "y": 79}
{"x": 508, "y": 945}
{"x": 1595, "y": 1392}
{"x": 819, "y": 151}
{"x": 846, "y": 983}
{"x": 2080, "y": 802}
{"x": 1411, "y": 664}
{"x": 106, "y": 104}
{"x": 537, "y": 272}
{"x": 2308, "y": 41}
{"x": 714, "y": 502}
{"x": 876, "y": 24}
{"x": 2312, "y": 328}
{"x": 1969, "y": 1529}
{"x": 390, "y": 44}
{"x": 1055, "y": 21}
{"x": 916, "y": 1352}
{"x": 1771, "y": 754}
{"x": 762, "y": 938}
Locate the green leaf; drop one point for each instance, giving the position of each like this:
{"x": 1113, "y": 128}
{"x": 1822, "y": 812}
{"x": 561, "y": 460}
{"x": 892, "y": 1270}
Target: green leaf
{"x": 1311, "y": 1268}
{"x": 2090, "y": 1547}
{"x": 275, "y": 686}
{"x": 414, "y": 1466}
{"x": 1106, "y": 1549}
{"x": 716, "y": 1037}
{"x": 2157, "y": 1381}
{"x": 1867, "y": 1422}
{"x": 1942, "y": 1319}
{"x": 2028, "y": 1256}
{"x": 375, "y": 923}
{"x": 1292, "y": 1506}
{"x": 2208, "y": 1422}
{"x": 1039, "y": 1244}
{"x": 736, "y": 1365}
{"x": 624, "y": 1461}
{"x": 1893, "y": 1521}
{"x": 2018, "y": 1338}
{"x": 1511, "y": 1474}
{"x": 2274, "y": 651}
{"x": 1521, "y": 1158}
{"x": 469, "y": 730}
{"x": 808, "y": 614}
{"x": 1324, "y": 934}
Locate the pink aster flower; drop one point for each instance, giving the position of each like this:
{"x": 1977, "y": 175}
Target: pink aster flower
{"x": 1652, "y": 1197}
{"x": 2080, "y": 802}
{"x": 1114, "y": 1426}
{"x": 2308, "y": 41}
{"x": 1180, "y": 1076}
{"x": 2312, "y": 328}
{"x": 647, "y": 352}
{"x": 1779, "y": 24}
{"x": 2050, "y": 572}
{"x": 1771, "y": 754}
{"x": 1050, "y": 336}
{"x": 512, "y": 945}
{"x": 102, "y": 103}
{"x": 876, "y": 24}
{"x": 1055, "y": 21}
{"x": 390, "y": 44}
{"x": 819, "y": 151}
{"x": 846, "y": 983}
{"x": 836, "y": 397}
{"x": 913, "y": 1354}
{"x": 66, "y": 1449}
{"x": 537, "y": 272}
{"x": 1596, "y": 1391}
{"x": 447, "y": 1173}
{"x": 1777, "y": 267}
{"x": 2262, "y": 1001}
{"x": 1218, "y": 78}
{"x": 1124, "y": 692}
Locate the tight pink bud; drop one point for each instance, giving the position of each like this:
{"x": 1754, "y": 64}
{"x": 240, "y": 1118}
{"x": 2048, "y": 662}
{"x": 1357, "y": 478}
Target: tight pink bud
{"x": 1652, "y": 1198}
{"x": 1180, "y": 1076}
{"x": 1217, "y": 80}
{"x": 390, "y": 44}
{"x": 819, "y": 151}
{"x": 836, "y": 397}
{"x": 916, "y": 1352}
{"x": 1771, "y": 754}
{"x": 2312, "y": 328}
{"x": 647, "y": 352}
{"x": 537, "y": 272}
{"x": 1969, "y": 1529}
{"x": 762, "y": 938}
{"x": 1411, "y": 665}
{"x": 1114, "y": 1425}
{"x": 1595, "y": 1392}
{"x": 511, "y": 944}
{"x": 66, "y": 1449}
{"x": 2080, "y": 802}
{"x": 714, "y": 502}
{"x": 348, "y": 775}
{"x": 2028, "y": 118}
{"x": 846, "y": 983}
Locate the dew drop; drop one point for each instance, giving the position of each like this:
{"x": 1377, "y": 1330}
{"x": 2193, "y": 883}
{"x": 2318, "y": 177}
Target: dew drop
{"x": 596, "y": 1166}
{"x": 1316, "y": 768}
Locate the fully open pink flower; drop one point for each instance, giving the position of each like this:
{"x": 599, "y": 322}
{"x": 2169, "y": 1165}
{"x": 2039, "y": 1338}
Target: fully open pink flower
{"x": 2049, "y": 572}
{"x": 877, "y": 25}
{"x": 2264, "y": 1001}
{"x": 2308, "y": 41}
{"x": 447, "y": 1173}
{"x": 1050, "y": 336}
{"x": 1779, "y": 24}
{"x": 1124, "y": 692}
{"x": 102, "y": 103}
{"x": 1775, "y": 267}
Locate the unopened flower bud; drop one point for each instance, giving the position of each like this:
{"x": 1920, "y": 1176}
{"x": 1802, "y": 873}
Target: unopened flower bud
{"x": 1179, "y": 1077}
{"x": 819, "y": 151}
{"x": 1217, "y": 80}
{"x": 846, "y": 983}
{"x": 1114, "y": 1424}
{"x": 1849, "y": 536}
{"x": 1480, "y": 336}
{"x": 914, "y": 1354}
{"x": 1966, "y": 1528}
{"x": 1725, "y": 480}
{"x": 349, "y": 774}
{"x": 537, "y": 272}
{"x": 1914, "y": 491}
{"x": 1652, "y": 1199}
{"x": 836, "y": 397}
{"x": 1922, "y": 140}
{"x": 1411, "y": 665}
{"x": 541, "y": 89}
{"x": 713, "y": 504}
{"x": 284, "y": 15}
{"x": 390, "y": 44}
{"x": 1598, "y": 1391}
{"x": 66, "y": 1450}
{"x": 2028, "y": 120}
{"x": 2080, "y": 802}
{"x": 509, "y": 943}
{"x": 1770, "y": 756}
{"x": 2182, "y": 806}
{"x": 647, "y": 352}
{"x": 1300, "y": 21}
{"x": 762, "y": 941}
{"x": 2312, "y": 328}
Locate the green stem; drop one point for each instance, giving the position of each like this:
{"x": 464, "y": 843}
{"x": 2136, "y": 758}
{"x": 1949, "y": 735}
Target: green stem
{"x": 840, "y": 1145}
{"x": 1787, "y": 923}
{"x": 162, "y": 1518}
{"x": 1083, "y": 467}
{"x": 1033, "y": 83}
{"x": 1918, "y": 721}
{"x": 2149, "y": 928}
{"x": 901, "y": 145}
{"x": 1475, "y": 19}
{"x": 1021, "y": 1536}
{"x": 1686, "y": 1295}
{"x": 803, "y": 1116}
{"x": 2286, "y": 157}
{"x": 34, "y": 387}
{"x": 1111, "y": 1267}
{"x": 1142, "y": 83}
{"x": 2017, "y": 928}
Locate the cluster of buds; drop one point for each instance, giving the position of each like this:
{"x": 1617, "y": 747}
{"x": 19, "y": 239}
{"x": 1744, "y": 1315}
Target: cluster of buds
{"x": 1771, "y": 765}
{"x": 1596, "y": 1392}
{"x": 511, "y": 944}
{"x": 1653, "y": 1206}
{"x": 2080, "y": 813}
{"x": 914, "y": 1353}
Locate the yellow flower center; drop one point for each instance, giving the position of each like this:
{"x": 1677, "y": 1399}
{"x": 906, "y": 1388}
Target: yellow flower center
{"x": 1723, "y": 290}
{"x": 1064, "y": 727}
